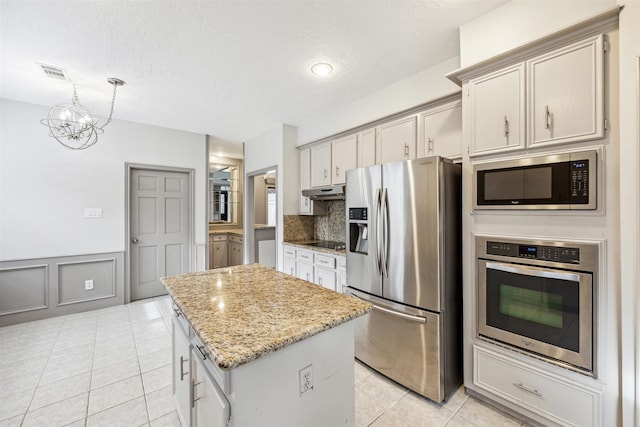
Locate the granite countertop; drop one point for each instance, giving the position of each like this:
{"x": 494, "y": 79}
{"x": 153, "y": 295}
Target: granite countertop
{"x": 305, "y": 244}
{"x": 244, "y": 312}
{"x": 236, "y": 231}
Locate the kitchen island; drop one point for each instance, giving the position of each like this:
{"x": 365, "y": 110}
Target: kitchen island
{"x": 254, "y": 346}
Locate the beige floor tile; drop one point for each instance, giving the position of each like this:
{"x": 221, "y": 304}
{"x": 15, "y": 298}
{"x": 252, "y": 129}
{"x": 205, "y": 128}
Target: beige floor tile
{"x": 486, "y": 416}
{"x": 169, "y": 420}
{"x": 131, "y": 413}
{"x": 60, "y": 390}
{"x": 157, "y": 379}
{"x": 114, "y": 394}
{"x": 155, "y": 360}
{"x": 382, "y": 389}
{"x": 414, "y": 411}
{"x": 160, "y": 402}
{"x": 15, "y": 404}
{"x": 114, "y": 372}
{"x": 367, "y": 409}
{"x": 12, "y": 422}
{"x": 59, "y": 413}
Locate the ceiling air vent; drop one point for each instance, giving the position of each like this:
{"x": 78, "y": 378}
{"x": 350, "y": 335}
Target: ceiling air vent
{"x": 54, "y": 72}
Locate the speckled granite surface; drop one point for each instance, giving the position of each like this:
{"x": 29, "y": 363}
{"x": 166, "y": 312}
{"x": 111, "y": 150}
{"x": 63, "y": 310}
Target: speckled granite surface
{"x": 244, "y": 312}
{"x": 304, "y": 244}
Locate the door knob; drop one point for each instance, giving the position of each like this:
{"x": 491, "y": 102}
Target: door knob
{"x": 134, "y": 241}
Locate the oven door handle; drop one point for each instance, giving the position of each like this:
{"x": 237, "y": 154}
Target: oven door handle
{"x": 535, "y": 272}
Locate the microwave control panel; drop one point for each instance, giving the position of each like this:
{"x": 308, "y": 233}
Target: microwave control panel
{"x": 580, "y": 181}
{"x": 543, "y": 253}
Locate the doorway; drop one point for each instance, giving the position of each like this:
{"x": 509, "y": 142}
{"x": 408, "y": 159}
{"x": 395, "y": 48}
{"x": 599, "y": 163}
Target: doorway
{"x": 262, "y": 217}
{"x": 159, "y": 227}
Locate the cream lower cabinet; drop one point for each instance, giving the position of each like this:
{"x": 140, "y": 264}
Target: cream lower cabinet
{"x": 289, "y": 260}
{"x": 210, "y": 406}
{"x": 341, "y": 274}
{"x": 304, "y": 265}
{"x": 540, "y": 393}
{"x": 181, "y": 366}
{"x": 325, "y": 271}
{"x": 236, "y": 255}
{"x": 218, "y": 251}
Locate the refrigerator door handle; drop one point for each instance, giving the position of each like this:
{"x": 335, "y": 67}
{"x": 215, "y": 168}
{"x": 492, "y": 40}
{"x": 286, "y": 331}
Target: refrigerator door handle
{"x": 405, "y": 316}
{"x": 385, "y": 233}
{"x": 379, "y": 230}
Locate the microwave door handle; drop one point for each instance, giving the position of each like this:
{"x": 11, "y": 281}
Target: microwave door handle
{"x": 573, "y": 277}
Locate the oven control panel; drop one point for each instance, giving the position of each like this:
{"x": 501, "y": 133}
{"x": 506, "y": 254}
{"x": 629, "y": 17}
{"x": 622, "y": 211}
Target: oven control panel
{"x": 538, "y": 252}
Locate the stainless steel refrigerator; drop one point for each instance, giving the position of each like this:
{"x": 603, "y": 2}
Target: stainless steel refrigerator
{"x": 404, "y": 256}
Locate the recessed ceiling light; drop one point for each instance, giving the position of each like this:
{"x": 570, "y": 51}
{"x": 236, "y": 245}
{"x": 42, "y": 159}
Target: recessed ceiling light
{"x": 321, "y": 69}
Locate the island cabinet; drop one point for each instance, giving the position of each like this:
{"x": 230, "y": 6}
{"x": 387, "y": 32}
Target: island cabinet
{"x": 181, "y": 335}
{"x": 278, "y": 354}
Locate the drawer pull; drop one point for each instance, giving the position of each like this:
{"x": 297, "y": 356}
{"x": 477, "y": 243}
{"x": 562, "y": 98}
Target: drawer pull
{"x": 528, "y": 389}
{"x": 203, "y": 353}
{"x": 177, "y": 311}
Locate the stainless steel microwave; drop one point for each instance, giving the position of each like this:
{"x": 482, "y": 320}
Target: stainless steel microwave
{"x": 559, "y": 181}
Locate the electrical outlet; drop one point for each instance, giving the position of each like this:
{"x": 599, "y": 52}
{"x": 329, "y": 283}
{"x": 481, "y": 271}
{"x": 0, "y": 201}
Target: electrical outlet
{"x": 88, "y": 285}
{"x": 306, "y": 379}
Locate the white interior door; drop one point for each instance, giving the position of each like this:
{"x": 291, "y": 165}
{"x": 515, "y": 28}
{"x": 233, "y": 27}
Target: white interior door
{"x": 159, "y": 229}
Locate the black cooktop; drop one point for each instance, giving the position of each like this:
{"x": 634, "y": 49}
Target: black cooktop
{"x": 326, "y": 244}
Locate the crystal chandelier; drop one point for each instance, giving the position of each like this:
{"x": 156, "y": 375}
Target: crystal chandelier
{"x": 73, "y": 125}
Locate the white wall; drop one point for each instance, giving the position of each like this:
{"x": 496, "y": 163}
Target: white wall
{"x": 425, "y": 86}
{"x": 45, "y": 187}
{"x": 630, "y": 210}
{"x": 520, "y": 22}
{"x": 274, "y": 148}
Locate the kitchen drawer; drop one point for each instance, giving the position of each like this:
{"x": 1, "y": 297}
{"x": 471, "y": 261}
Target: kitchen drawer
{"x": 540, "y": 392}
{"x": 304, "y": 255}
{"x": 342, "y": 263}
{"x": 325, "y": 261}
{"x": 235, "y": 239}
{"x": 218, "y": 237}
{"x": 289, "y": 252}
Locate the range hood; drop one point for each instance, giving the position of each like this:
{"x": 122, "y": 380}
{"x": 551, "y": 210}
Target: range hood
{"x": 330, "y": 192}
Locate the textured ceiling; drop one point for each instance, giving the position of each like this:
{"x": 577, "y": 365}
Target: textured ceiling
{"x": 231, "y": 69}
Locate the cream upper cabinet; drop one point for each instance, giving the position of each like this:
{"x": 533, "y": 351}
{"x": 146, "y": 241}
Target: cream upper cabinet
{"x": 441, "y": 131}
{"x": 305, "y": 179}
{"x": 497, "y": 110}
{"x": 367, "y": 148}
{"x": 566, "y": 92}
{"x": 320, "y": 165}
{"x": 344, "y": 156}
{"x": 396, "y": 140}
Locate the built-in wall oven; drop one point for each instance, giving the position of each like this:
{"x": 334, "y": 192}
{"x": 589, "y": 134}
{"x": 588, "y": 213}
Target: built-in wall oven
{"x": 539, "y": 297}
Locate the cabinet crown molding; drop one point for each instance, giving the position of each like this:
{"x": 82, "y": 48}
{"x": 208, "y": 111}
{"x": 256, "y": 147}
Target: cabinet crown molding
{"x": 600, "y": 23}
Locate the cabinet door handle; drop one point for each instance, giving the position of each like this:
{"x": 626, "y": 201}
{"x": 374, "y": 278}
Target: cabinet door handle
{"x": 320, "y": 281}
{"x": 337, "y": 171}
{"x": 406, "y": 151}
{"x": 182, "y": 372}
{"x": 547, "y": 123}
{"x": 203, "y": 353}
{"x": 325, "y": 173}
{"x": 506, "y": 127}
{"x": 292, "y": 271}
{"x": 430, "y": 145}
{"x": 193, "y": 392}
{"x": 528, "y": 389}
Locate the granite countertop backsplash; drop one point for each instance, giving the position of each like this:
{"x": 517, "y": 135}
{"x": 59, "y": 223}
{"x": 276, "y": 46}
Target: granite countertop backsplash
{"x": 244, "y": 312}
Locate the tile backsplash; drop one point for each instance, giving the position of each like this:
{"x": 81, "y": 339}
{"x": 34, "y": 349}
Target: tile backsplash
{"x": 333, "y": 225}
{"x": 321, "y": 227}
